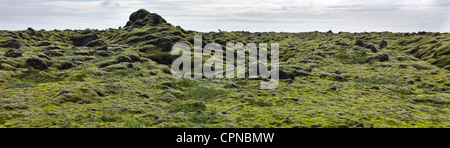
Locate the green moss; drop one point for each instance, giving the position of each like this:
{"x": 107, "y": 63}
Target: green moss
{"x": 203, "y": 93}
{"x": 14, "y": 84}
{"x": 183, "y": 82}
{"x": 199, "y": 118}
{"x": 109, "y": 115}
{"x": 349, "y": 58}
{"x": 163, "y": 58}
{"x": 186, "y": 108}
{"x": 377, "y": 80}
{"x": 354, "y": 94}
{"x": 37, "y": 77}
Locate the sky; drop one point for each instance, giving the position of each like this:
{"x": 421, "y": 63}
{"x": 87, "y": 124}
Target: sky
{"x": 234, "y": 15}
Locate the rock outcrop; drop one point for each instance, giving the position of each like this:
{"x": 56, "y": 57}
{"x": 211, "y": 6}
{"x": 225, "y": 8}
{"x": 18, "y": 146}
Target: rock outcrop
{"x": 142, "y": 18}
{"x": 84, "y": 38}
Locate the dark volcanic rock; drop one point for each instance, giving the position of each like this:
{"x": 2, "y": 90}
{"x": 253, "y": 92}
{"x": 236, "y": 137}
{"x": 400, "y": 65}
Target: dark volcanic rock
{"x": 43, "y": 43}
{"x": 53, "y": 53}
{"x": 383, "y": 44}
{"x": 143, "y": 17}
{"x": 360, "y": 43}
{"x": 163, "y": 58}
{"x": 108, "y": 63}
{"x": 165, "y": 44}
{"x": 290, "y": 72}
{"x": 372, "y": 48}
{"x": 340, "y": 43}
{"x": 104, "y": 48}
{"x": 52, "y": 47}
{"x": 383, "y": 57}
{"x": 96, "y": 43}
{"x": 122, "y": 59}
{"x": 11, "y": 43}
{"x": 43, "y": 56}
{"x": 83, "y": 53}
{"x": 134, "y": 58}
{"x": 85, "y": 37}
{"x": 13, "y": 53}
{"x": 65, "y": 65}
{"x": 102, "y": 53}
{"x": 37, "y": 63}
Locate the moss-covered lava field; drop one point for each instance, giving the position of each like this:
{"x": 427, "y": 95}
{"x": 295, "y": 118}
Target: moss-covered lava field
{"x": 121, "y": 78}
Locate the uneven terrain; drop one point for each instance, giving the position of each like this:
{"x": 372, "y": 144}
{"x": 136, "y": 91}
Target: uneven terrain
{"x": 121, "y": 78}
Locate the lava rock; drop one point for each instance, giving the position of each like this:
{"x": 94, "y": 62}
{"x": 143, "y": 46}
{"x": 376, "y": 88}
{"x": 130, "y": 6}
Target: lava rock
{"x": 122, "y": 59}
{"x": 372, "y": 48}
{"x": 134, "y": 58}
{"x": 102, "y": 53}
{"x": 13, "y": 53}
{"x": 11, "y": 43}
{"x": 340, "y": 43}
{"x": 104, "y": 48}
{"x": 383, "y": 57}
{"x": 37, "y": 63}
{"x": 96, "y": 43}
{"x": 65, "y": 65}
{"x": 53, "y": 53}
{"x": 43, "y": 56}
{"x": 360, "y": 43}
{"x": 85, "y": 37}
{"x": 53, "y": 47}
{"x": 383, "y": 44}
{"x": 165, "y": 44}
{"x": 292, "y": 72}
{"x": 108, "y": 63}
{"x": 43, "y": 43}
{"x": 142, "y": 18}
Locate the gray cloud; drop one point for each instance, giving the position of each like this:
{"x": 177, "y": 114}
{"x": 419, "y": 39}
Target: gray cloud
{"x": 106, "y": 3}
{"x": 252, "y": 15}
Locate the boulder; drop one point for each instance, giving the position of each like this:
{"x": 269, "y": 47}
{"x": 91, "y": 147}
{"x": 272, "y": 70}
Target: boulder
{"x": 12, "y": 43}
{"x": 107, "y": 63}
{"x": 104, "y": 48}
{"x": 383, "y": 57}
{"x": 340, "y": 43}
{"x": 31, "y": 31}
{"x": 163, "y": 58}
{"x": 383, "y": 44}
{"x": 142, "y": 18}
{"x": 96, "y": 43}
{"x": 290, "y": 72}
{"x": 85, "y": 37}
{"x": 38, "y": 63}
{"x": 122, "y": 59}
{"x": 134, "y": 58}
{"x": 43, "y": 56}
{"x": 65, "y": 65}
{"x": 372, "y": 48}
{"x": 83, "y": 53}
{"x": 102, "y": 53}
{"x": 165, "y": 44}
{"x": 360, "y": 43}
{"x": 43, "y": 43}
{"x": 53, "y": 53}
{"x": 52, "y": 47}
{"x": 13, "y": 53}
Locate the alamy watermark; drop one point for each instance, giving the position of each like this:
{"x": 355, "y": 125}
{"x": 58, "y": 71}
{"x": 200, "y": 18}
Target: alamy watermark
{"x": 191, "y": 65}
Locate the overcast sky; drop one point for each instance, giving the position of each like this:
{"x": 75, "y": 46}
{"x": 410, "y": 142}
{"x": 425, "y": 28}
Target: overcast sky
{"x": 234, "y": 15}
